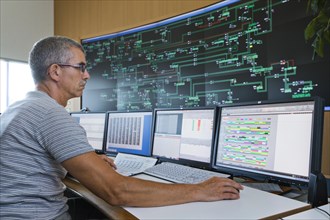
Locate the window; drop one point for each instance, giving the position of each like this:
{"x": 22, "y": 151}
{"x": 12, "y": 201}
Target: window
{"x": 16, "y": 80}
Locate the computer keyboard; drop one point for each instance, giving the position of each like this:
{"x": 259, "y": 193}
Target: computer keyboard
{"x": 269, "y": 187}
{"x": 178, "y": 173}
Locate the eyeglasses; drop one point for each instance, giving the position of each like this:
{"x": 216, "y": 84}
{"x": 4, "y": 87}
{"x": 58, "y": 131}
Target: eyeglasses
{"x": 80, "y": 66}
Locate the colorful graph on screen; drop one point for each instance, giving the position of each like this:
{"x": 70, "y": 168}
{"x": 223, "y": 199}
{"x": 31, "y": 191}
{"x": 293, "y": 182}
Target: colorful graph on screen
{"x": 246, "y": 140}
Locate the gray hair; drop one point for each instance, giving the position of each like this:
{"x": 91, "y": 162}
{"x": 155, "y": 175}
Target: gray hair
{"x": 47, "y": 51}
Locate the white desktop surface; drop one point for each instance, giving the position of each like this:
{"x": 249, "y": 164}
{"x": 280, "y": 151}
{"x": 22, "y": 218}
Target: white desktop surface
{"x": 312, "y": 213}
{"x": 253, "y": 204}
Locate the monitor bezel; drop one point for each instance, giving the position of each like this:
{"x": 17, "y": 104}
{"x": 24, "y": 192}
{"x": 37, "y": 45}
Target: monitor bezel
{"x": 186, "y": 162}
{"x": 112, "y": 153}
{"x": 315, "y": 152}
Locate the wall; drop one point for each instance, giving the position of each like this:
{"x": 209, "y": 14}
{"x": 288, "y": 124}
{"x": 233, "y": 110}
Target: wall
{"x": 22, "y": 24}
{"x": 83, "y": 19}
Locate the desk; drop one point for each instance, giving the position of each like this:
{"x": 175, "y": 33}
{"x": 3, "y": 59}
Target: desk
{"x": 111, "y": 212}
{"x": 312, "y": 214}
{"x": 253, "y": 204}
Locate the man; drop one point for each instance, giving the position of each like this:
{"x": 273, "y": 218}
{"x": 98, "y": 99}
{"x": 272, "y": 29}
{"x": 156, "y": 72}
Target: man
{"x": 40, "y": 142}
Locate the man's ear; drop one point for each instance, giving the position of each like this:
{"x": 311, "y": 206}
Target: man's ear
{"x": 54, "y": 72}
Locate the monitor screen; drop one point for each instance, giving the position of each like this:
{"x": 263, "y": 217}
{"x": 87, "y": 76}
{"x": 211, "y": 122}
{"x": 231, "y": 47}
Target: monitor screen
{"x": 229, "y": 52}
{"x": 128, "y": 132}
{"x": 184, "y": 135}
{"x": 93, "y": 123}
{"x": 279, "y": 141}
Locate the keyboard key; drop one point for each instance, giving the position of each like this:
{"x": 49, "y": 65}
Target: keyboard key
{"x": 181, "y": 174}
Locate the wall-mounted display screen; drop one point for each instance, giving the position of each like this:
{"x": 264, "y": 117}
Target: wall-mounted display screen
{"x": 229, "y": 52}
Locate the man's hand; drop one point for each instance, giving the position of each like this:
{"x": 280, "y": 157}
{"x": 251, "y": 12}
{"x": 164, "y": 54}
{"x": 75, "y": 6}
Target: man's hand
{"x": 217, "y": 188}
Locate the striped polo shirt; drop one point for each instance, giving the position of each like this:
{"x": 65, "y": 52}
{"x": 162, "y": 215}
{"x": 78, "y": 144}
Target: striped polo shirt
{"x": 36, "y": 135}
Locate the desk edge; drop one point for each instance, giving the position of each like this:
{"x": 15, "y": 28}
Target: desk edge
{"x": 111, "y": 212}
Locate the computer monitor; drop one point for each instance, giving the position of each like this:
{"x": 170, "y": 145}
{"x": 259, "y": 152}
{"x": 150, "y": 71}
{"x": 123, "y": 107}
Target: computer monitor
{"x": 128, "y": 132}
{"x": 277, "y": 141}
{"x": 184, "y": 136}
{"x": 227, "y": 52}
{"x": 93, "y": 123}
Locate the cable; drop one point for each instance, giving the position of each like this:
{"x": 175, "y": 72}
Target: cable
{"x": 323, "y": 211}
